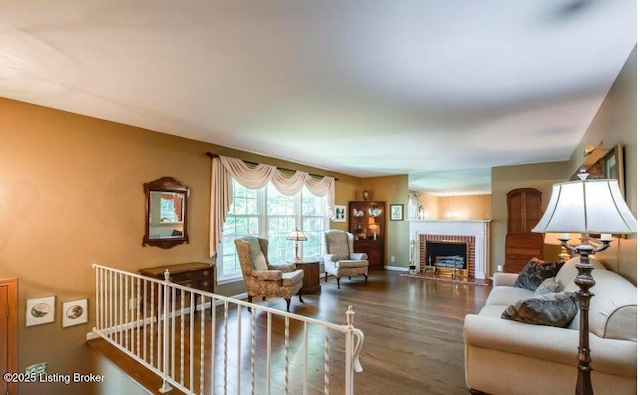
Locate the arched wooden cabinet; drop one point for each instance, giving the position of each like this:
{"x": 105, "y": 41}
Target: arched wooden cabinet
{"x": 524, "y": 210}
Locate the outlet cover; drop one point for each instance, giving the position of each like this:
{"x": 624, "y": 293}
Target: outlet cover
{"x": 37, "y": 369}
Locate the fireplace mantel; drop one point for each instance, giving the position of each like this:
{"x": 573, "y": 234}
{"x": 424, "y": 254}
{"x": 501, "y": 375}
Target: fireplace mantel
{"x": 478, "y": 229}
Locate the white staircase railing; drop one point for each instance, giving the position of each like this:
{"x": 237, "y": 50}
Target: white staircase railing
{"x": 200, "y": 342}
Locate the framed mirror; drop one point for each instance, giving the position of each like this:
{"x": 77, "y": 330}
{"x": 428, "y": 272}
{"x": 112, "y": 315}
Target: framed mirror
{"x": 166, "y": 210}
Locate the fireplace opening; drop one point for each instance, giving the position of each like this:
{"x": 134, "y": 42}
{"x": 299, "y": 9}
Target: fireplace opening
{"x": 452, "y": 255}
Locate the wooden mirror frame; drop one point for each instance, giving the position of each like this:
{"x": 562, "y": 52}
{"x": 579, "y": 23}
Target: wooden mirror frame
{"x": 165, "y": 184}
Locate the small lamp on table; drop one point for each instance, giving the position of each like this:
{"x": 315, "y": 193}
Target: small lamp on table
{"x": 297, "y": 236}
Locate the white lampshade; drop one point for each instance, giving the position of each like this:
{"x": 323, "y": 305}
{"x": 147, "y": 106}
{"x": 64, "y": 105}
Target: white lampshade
{"x": 587, "y": 206}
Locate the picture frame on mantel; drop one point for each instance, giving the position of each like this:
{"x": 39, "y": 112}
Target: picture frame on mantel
{"x": 396, "y": 212}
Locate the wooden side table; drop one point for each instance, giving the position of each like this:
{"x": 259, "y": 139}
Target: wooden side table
{"x": 311, "y": 280}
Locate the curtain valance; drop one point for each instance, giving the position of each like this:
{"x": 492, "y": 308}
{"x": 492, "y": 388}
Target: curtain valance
{"x": 223, "y": 169}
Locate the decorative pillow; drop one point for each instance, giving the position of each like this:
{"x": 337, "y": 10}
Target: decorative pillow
{"x": 258, "y": 260}
{"x": 535, "y": 272}
{"x": 548, "y": 286}
{"x": 552, "y": 309}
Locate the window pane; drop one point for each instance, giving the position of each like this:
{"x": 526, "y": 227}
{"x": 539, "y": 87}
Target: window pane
{"x": 269, "y": 214}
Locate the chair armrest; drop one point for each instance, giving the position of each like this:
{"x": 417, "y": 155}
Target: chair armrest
{"x": 269, "y": 275}
{"x": 328, "y": 258}
{"x": 504, "y": 279}
{"x": 358, "y": 256}
{"x": 286, "y": 267}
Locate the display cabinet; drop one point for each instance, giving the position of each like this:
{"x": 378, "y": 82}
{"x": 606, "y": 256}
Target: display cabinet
{"x": 367, "y": 224}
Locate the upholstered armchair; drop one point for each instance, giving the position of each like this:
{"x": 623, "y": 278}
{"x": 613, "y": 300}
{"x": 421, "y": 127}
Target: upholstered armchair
{"x": 340, "y": 260}
{"x": 263, "y": 279}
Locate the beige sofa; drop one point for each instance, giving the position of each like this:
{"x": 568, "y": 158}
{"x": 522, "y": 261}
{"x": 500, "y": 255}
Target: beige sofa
{"x": 510, "y": 357}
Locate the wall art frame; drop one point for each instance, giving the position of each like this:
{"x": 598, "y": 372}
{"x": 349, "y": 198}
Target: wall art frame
{"x": 396, "y": 212}
{"x": 75, "y": 312}
{"x": 40, "y": 311}
{"x": 340, "y": 213}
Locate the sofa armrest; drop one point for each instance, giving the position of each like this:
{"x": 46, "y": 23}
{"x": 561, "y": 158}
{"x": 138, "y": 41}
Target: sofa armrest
{"x": 547, "y": 343}
{"x": 504, "y": 279}
{"x": 269, "y": 275}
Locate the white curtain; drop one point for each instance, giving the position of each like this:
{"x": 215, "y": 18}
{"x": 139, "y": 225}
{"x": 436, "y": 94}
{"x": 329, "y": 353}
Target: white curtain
{"x": 223, "y": 169}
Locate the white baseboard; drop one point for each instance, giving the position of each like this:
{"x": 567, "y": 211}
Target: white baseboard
{"x": 397, "y": 268}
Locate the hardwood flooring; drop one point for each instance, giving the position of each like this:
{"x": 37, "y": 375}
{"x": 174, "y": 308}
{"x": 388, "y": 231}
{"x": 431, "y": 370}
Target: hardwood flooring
{"x": 412, "y": 326}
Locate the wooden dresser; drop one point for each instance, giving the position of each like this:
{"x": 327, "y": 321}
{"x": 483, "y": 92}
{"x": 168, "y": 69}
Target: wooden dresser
{"x": 197, "y": 275}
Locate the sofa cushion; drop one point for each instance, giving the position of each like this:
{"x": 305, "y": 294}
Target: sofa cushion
{"x": 550, "y": 285}
{"x": 552, "y": 309}
{"x": 535, "y": 272}
{"x": 504, "y": 295}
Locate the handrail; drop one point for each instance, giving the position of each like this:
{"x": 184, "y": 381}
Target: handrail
{"x": 141, "y": 316}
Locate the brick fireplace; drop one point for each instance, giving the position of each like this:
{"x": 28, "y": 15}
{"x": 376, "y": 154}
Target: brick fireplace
{"x": 470, "y": 242}
{"x": 475, "y": 233}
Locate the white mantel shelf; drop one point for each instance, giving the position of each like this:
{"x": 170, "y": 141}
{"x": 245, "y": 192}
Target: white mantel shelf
{"x": 476, "y": 228}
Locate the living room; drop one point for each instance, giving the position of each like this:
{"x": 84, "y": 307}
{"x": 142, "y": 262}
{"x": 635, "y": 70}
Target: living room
{"x": 72, "y": 195}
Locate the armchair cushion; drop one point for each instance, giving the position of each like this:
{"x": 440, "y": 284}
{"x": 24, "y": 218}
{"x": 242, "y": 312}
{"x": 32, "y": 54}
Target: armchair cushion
{"x": 337, "y": 245}
{"x": 291, "y": 278}
{"x": 258, "y": 260}
{"x": 351, "y": 264}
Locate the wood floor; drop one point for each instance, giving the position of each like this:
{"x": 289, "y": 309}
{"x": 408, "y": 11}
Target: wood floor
{"x": 412, "y": 326}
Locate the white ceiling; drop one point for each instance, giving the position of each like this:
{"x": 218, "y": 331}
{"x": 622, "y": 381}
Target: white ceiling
{"x": 363, "y": 87}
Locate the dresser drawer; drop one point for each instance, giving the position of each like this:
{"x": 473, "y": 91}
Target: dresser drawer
{"x": 203, "y": 284}
{"x": 182, "y": 277}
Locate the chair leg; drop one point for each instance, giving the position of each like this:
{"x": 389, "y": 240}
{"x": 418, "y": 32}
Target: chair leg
{"x": 288, "y": 303}
{"x": 249, "y": 299}
{"x": 326, "y": 276}
{"x": 300, "y": 296}
{"x": 349, "y": 277}
{"x": 338, "y": 280}
{"x": 366, "y": 277}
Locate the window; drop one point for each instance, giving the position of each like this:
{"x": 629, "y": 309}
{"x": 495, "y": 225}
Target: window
{"x": 267, "y": 213}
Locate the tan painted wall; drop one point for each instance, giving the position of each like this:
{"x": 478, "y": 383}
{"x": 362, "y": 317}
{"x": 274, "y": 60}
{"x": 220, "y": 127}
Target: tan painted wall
{"x": 616, "y": 123}
{"x": 392, "y": 190}
{"x": 458, "y": 207}
{"x": 71, "y": 194}
{"x": 540, "y": 176}
{"x": 431, "y": 205}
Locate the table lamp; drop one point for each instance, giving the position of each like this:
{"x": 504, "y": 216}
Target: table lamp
{"x": 586, "y": 207}
{"x": 297, "y": 236}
